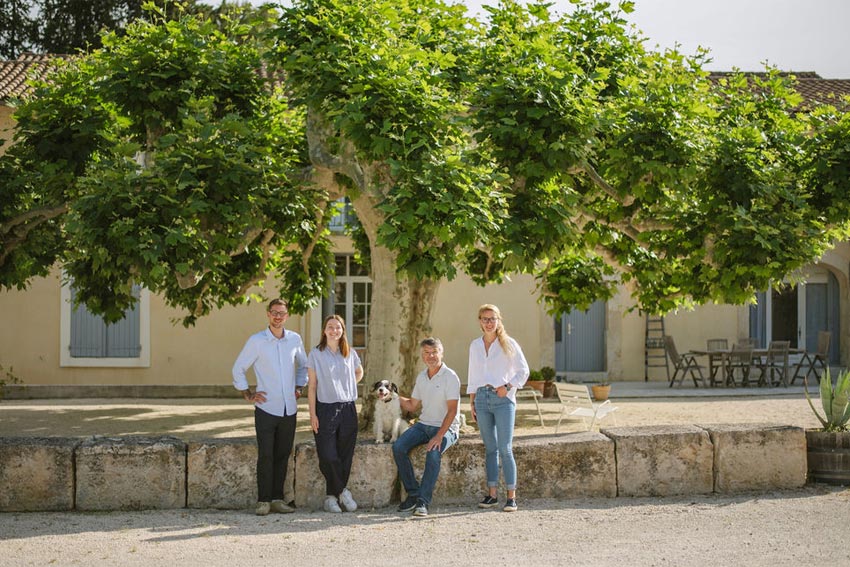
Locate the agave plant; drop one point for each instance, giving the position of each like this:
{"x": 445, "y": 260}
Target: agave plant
{"x": 835, "y": 401}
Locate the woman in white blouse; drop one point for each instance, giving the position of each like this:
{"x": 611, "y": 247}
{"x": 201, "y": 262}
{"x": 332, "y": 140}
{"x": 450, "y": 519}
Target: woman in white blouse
{"x": 333, "y": 371}
{"x": 497, "y": 368}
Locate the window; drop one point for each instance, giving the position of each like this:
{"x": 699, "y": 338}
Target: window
{"x": 344, "y": 217}
{"x": 351, "y": 299}
{"x": 86, "y": 339}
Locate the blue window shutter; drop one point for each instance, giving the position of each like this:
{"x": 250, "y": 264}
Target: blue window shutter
{"x": 91, "y": 337}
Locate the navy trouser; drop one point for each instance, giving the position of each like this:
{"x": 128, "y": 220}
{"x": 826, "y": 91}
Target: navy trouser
{"x": 275, "y": 437}
{"x": 335, "y": 443}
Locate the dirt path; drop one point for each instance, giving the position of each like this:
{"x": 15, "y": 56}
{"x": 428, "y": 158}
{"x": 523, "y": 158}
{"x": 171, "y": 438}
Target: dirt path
{"x": 806, "y": 527}
{"x": 191, "y": 419}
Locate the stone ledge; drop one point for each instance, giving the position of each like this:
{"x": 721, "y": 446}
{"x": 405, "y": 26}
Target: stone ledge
{"x": 131, "y": 473}
{"x": 665, "y": 460}
{"x": 164, "y": 472}
{"x": 37, "y": 473}
{"x": 221, "y": 473}
{"x": 750, "y": 457}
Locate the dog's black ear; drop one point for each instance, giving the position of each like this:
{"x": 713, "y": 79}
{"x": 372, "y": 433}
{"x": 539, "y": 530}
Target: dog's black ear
{"x": 377, "y": 385}
{"x": 394, "y": 388}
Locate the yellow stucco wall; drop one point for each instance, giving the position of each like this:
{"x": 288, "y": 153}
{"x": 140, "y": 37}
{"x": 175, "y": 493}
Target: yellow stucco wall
{"x": 6, "y": 127}
{"x": 204, "y": 354}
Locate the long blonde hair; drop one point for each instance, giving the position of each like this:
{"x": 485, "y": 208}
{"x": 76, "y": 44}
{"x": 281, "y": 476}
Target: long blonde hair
{"x": 343, "y": 340}
{"x": 501, "y": 333}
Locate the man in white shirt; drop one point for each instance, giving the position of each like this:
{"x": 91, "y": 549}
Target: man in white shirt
{"x": 437, "y": 391}
{"x": 280, "y": 366}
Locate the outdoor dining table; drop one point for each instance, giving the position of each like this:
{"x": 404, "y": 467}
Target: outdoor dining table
{"x": 757, "y": 354}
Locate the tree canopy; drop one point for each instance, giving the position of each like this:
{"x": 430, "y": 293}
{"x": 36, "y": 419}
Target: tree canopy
{"x": 556, "y": 145}
{"x": 70, "y": 26}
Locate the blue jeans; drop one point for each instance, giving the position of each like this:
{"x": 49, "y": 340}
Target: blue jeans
{"x": 420, "y": 434}
{"x": 496, "y": 417}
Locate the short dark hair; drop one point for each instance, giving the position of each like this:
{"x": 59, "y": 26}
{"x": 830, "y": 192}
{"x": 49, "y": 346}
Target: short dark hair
{"x": 431, "y": 342}
{"x": 278, "y": 301}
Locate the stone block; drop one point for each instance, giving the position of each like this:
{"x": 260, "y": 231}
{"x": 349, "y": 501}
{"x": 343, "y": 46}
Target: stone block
{"x": 463, "y": 477}
{"x": 567, "y": 466}
{"x": 37, "y": 474}
{"x": 221, "y": 473}
{"x": 662, "y": 460}
{"x": 131, "y": 473}
{"x": 751, "y": 457}
{"x": 372, "y": 481}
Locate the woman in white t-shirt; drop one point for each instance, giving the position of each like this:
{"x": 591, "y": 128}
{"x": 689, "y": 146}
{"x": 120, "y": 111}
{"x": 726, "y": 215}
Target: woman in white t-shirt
{"x": 333, "y": 371}
{"x": 497, "y": 368}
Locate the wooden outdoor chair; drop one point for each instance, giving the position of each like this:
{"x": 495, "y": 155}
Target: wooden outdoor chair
{"x": 715, "y": 364}
{"x": 811, "y": 361}
{"x": 685, "y": 363}
{"x": 751, "y": 342}
{"x": 775, "y": 363}
{"x": 740, "y": 362}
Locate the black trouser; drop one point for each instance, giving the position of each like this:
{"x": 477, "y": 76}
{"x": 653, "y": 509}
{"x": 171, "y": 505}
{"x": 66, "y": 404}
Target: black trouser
{"x": 275, "y": 436}
{"x": 335, "y": 443}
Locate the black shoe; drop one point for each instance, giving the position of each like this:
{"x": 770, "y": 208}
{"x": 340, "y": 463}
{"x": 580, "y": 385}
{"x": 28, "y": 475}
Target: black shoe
{"x": 408, "y": 504}
{"x": 488, "y": 502}
{"x": 510, "y": 505}
{"x": 421, "y": 510}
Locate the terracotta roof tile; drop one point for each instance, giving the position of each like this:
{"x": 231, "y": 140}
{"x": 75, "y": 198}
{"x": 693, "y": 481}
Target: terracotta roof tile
{"x": 814, "y": 89}
{"x": 14, "y": 74}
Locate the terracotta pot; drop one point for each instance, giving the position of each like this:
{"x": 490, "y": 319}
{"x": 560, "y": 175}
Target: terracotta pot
{"x": 828, "y": 456}
{"x": 549, "y": 389}
{"x": 600, "y": 392}
{"x": 536, "y": 384}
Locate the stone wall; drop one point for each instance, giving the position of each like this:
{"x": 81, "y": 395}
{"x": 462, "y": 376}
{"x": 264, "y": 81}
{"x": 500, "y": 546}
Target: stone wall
{"x": 147, "y": 473}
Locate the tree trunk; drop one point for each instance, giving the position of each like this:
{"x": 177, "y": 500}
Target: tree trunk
{"x": 401, "y": 307}
{"x": 400, "y": 315}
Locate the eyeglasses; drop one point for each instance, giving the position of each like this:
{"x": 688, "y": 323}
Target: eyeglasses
{"x": 488, "y": 319}
{"x": 278, "y": 313}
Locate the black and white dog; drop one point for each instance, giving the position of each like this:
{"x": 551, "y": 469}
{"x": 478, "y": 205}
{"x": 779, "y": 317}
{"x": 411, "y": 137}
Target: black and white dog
{"x": 389, "y": 423}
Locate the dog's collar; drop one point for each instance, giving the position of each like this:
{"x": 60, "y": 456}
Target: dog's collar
{"x": 388, "y": 400}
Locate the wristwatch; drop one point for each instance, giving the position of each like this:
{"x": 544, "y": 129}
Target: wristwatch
{"x": 508, "y": 387}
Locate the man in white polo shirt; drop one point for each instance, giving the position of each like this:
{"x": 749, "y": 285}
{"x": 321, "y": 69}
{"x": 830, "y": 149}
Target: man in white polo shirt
{"x": 437, "y": 391}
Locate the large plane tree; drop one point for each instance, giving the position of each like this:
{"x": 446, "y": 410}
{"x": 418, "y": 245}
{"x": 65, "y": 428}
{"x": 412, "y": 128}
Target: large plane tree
{"x": 200, "y": 160}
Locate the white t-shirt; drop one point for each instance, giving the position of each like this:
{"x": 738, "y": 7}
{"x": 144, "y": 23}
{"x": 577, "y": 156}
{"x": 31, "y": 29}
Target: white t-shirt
{"x": 434, "y": 394}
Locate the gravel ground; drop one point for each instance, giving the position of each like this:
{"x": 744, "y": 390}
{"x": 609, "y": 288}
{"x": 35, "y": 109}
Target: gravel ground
{"x": 191, "y": 419}
{"x": 805, "y": 527}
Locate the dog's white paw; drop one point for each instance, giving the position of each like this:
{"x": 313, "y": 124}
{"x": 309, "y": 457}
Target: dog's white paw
{"x": 379, "y": 441}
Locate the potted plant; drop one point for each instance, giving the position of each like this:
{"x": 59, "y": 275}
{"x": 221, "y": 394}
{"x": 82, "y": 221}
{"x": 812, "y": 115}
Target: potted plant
{"x": 601, "y": 390}
{"x": 548, "y": 374}
{"x": 535, "y": 380}
{"x": 828, "y": 449}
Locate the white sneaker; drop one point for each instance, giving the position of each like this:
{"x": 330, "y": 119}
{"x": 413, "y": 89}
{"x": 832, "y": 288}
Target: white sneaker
{"x": 347, "y": 500}
{"x": 331, "y": 505}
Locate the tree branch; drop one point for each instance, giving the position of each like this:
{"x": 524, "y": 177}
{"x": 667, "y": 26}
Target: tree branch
{"x": 318, "y": 134}
{"x": 320, "y": 226}
{"x": 43, "y": 214}
{"x": 602, "y": 184}
{"x": 265, "y": 243}
{"x": 30, "y": 220}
